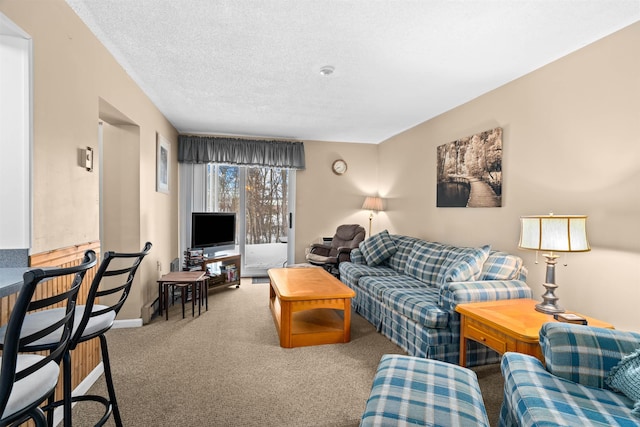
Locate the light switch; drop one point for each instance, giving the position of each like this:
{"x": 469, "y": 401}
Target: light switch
{"x": 88, "y": 159}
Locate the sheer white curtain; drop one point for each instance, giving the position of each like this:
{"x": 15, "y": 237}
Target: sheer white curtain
{"x": 192, "y": 199}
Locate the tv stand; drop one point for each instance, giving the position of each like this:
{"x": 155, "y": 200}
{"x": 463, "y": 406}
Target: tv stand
{"x": 223, "y": 275}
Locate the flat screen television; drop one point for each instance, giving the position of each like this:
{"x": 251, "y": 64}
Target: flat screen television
{"x": 215, "y": 230}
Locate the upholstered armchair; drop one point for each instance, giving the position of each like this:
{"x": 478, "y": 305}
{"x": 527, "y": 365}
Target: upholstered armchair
{"x": 347, "y": 237}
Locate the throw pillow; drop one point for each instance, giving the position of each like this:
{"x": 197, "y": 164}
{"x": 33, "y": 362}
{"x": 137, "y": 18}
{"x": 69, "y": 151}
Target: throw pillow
{"x": 378, "y": 248}
{"x": 467, "y": 265}
{"x": 501, "y": 266}
{"x": 625, "y": 378}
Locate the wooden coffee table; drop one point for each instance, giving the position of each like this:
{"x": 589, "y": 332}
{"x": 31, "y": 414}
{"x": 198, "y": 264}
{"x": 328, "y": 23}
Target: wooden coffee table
{"x": 309, "y": 307}
{"x": 506, "y": 325}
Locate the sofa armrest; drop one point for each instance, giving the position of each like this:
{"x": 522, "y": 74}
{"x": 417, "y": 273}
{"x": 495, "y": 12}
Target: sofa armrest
{"x": 454, "y": 293}
{"x": 584, "y": 354}
{"x": 356, "y": 256}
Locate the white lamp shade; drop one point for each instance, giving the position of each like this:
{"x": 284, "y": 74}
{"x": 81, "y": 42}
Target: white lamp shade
{"x": 373, "y": 204}
{"x": 558, "y": 233}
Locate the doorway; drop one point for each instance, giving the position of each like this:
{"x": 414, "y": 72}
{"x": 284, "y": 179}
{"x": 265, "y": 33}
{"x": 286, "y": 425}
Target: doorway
{"x": 263, "y": 199}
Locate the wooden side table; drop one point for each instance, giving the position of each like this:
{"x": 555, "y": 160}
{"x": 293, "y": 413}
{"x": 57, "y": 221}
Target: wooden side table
{"x": 506, "y": 325}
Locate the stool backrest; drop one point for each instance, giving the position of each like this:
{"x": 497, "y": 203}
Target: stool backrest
{"x": 17, "y": 340}
{"x": 110, "y": 267}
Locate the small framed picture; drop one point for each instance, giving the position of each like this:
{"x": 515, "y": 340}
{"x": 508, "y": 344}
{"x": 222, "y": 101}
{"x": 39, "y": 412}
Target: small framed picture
{"x": 163, "y": 151}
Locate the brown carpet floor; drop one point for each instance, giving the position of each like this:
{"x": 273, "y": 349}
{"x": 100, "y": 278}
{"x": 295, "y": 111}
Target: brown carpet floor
{"x": 226, "y": 368}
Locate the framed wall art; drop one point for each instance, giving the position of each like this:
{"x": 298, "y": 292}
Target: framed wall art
{"x": 163, "y": 151}
{"x": 470, "y": 171}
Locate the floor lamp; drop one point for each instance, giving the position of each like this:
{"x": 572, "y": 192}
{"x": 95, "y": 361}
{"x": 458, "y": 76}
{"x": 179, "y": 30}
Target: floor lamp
{"x": 372, "y": 204}
{"x": 553, "y": 233}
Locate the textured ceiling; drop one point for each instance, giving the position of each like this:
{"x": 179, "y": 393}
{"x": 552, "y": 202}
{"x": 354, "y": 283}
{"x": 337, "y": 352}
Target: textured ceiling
{"x": 252, "y": 68}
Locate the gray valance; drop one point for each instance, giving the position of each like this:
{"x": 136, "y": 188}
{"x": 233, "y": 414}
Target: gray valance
{"x": 235, "y": 151}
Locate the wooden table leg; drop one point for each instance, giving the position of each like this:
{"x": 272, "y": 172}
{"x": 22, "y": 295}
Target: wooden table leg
{"x": 166, "y": 300}
{"x": 193, "y": 299}
{"x": 285, "y": 324}
{"x": 347, "y": 320}
{"x": 205, "y": 289}
{"x": 463, "y": 341}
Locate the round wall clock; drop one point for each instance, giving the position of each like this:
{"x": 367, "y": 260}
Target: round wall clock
{"x": 339, "y": 167}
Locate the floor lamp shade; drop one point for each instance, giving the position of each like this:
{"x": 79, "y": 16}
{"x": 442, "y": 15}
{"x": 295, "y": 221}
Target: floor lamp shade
{"x": 372, "y": 203}
{"x": 553, "y": 233}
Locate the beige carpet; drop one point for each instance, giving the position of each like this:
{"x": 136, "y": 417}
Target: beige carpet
{"x": 226, "y": 368}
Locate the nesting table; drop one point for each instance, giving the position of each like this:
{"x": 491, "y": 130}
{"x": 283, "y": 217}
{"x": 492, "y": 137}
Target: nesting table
{"x": 194, "y": 279}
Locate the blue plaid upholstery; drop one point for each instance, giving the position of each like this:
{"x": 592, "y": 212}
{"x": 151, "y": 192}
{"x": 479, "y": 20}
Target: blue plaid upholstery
{"x": 411, "y": 299}
{"x": 584, "y": 355}
{"x": 502, "y": 266}
{"x": 535, "y": 397}
{"x": 438, "y": 344}
{"x": 356, "y": 256}
{"x": 467, "y": 265}
{"x": 378, "y": 248}
{"x": 571, "y": 390}
{"x": 454, "y": 293}
{"x": 418, "y": 304}
{"x": 425, "y": 261}
{"x": 625, "y": 378}
{"x": 376, "y": 285}
{"x": 369, "y": 290}
{"x": 350, "y": 273}
{"x": 398, "y": 261}
{"x": 410, "y": 391}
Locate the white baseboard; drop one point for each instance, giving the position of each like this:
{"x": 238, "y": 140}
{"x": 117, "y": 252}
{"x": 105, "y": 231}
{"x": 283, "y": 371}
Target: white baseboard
{"x": 127, "y": 323}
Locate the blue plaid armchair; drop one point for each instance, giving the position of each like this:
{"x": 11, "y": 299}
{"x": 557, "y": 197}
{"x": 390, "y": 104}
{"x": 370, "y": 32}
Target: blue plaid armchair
{"x": 570, "y": 388}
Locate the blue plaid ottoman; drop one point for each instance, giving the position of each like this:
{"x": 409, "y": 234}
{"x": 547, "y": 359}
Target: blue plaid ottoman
{"x": 411, "y": 391}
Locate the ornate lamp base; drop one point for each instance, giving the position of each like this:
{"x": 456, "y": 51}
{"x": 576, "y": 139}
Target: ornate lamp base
{"x": 549, "y": 302}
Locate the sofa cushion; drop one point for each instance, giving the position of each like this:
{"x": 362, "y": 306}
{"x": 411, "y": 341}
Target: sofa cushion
{"x": 426, "y": 260}
{"x": 418, "y": 304}
{"x": 501, "y": 266}
{"x": 350, "y": 273}
{"x": 625, "y": 378}
{"x": 467, "y": 265}
{"x": 378, "y": 248}
{"x": 405, "y": 245}
{"x": 376, "y": 285}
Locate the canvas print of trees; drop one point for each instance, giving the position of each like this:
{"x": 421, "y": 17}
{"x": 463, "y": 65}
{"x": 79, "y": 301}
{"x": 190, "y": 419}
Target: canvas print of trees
{"x": 470, "y": 171}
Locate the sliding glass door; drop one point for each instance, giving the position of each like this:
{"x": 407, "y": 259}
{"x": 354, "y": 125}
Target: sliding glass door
{"x": 262, "y": 199}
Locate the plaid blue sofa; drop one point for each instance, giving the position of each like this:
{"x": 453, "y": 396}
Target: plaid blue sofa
{"x": 409, "y": 391}
{"x": 410, "y": 293}
{"x": 571, "y": 388}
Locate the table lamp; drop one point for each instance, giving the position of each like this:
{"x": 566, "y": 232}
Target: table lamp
{"x": 372, "y": 204}
{"x": 553, "y": 233}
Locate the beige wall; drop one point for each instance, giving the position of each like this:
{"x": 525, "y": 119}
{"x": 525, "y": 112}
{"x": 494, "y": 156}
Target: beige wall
{"x": 72, "y": 72}
{"x": 325, "y": 200}
{"x": 570, "y": 146}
